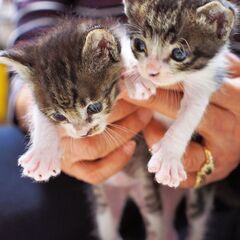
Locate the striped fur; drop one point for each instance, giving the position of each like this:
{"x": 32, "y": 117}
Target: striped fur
{"x": 134, "y": 182}
{"x": 171, "y": 23}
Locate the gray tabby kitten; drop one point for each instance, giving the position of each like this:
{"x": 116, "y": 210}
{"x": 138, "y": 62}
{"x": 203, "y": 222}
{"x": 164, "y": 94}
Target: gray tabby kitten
{"x": 73, "y": 72}
{"x": 178, "y": 42}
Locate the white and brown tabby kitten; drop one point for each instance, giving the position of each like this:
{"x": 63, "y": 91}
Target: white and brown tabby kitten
{"x": 72, "y": 72}
{"x": 178, "y": 42}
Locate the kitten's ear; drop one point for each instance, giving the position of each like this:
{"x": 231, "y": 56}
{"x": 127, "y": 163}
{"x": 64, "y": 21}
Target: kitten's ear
{"x": 126, "y": 2}
{"x": 130, "y": 4}
{"x": 218, "y": 17}
{"x": 18, "y": 60}
{"x": 102, "y": 44}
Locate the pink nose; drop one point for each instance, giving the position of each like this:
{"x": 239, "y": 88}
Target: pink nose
{"x": 153, "y": 68}
{"x": 83, "y": 130}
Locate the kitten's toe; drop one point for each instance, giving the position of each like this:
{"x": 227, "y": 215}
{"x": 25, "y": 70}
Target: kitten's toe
{"x": 181, "y": 172}
{"x": 171, "y": 172}
{"x": 46, "y": 171}
{"x": 56, "y": 171}
{"x": 154, "y": 163}
{"x": 25, "y": 158}
{"x": 40, "y": 167}
{"x": 141, "y": 92}
{"x": 156, "y": 147}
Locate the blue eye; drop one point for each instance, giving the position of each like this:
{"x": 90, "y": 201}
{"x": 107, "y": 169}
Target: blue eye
{"x": 94, "y": 108}
{"x": 139, "y": 45}
{"x": 178, "y": 54}
{"x": 58, "y": 117}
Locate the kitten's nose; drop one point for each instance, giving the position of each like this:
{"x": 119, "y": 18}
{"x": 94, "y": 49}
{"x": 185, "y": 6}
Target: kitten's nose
{"x": 153, "y": 74}
{"x": 153, "y": 68}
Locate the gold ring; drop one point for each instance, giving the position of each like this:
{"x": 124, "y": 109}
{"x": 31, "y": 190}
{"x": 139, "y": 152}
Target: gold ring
{"x": 206, "y": 169}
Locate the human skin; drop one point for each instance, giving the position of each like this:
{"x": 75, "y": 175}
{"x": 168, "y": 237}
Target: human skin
{"x": 220, "y": 127}
{"x": 95, "y": 159}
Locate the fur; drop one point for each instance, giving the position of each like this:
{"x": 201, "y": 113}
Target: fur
{"x": 72, "y": 87}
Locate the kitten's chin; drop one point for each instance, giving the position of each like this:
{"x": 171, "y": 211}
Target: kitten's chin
{"x": 90, "y": 133}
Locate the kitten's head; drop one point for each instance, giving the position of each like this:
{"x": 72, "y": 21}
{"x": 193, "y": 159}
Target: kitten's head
{"x": 171, "y": 38}
{"x": 73, "y": 72}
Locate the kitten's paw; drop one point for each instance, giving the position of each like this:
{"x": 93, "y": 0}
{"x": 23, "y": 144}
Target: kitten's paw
{"x": 38, "y": 166}
{"x": 141, "y": 92}
{"x": 171, "y": 173}
{"x": 155, "y": 162}
{"x": 167, "y": 166}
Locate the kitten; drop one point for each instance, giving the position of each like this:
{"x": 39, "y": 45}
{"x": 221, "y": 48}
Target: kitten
{"x": 178, "y": 42}
{"x": 72, "y": 71}
{"x": 135, "y": 182}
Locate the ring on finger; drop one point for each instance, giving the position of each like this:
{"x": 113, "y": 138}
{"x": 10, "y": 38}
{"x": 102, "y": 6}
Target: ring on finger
{"x": 206, "y": 169}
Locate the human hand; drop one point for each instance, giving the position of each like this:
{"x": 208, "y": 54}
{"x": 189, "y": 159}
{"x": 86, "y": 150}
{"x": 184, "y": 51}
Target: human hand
{"x": 220, "y": 127}
{"x": 95, "y": 159}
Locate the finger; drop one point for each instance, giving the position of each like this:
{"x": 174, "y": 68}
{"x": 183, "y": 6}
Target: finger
{"x": 99, "y": 146}
{"x": 221, "y": 172}
{"x": 165, "y": 101}
{"x": 228, "y": 95}
{"x": 194, "y": 157}
{"x": 153, "y": 132}
{"x": 215, "y": 122}
{"x": 234, "y": 65}
{"x": 190, "y": 181}
{"x": 121, "y": 110}
{"x": 100, "y": 170}
{"x": 217, "y": 175}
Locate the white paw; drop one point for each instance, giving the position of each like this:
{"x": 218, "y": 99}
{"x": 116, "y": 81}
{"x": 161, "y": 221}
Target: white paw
{"x": 39, "y": 166}
{"x": 167, "y": 166}
{"x": 141, "y": 92}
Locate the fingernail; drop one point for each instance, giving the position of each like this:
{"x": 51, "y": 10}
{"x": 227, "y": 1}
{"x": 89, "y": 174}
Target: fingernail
{"x": 143, "y": 115}
{"x": 128, "y": 148}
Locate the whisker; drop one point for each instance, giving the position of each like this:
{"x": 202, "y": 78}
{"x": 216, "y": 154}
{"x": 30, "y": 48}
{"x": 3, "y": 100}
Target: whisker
{"x": 114, "y": 139}
{"x": 118, "y": 138}
{"x": 124, "y": 129}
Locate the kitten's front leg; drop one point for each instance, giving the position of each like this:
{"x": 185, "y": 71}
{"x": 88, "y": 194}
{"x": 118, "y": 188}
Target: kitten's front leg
{"x": 139, "y": 88}
{"x": 42, "y": 160}
{"x": 167, "y": 154}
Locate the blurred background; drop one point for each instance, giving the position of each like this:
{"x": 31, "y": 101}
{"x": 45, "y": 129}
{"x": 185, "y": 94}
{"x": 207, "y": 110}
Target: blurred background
{"x": 7, "y": 24}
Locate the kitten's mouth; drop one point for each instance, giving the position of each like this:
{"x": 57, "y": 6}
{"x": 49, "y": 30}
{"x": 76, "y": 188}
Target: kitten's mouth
{"x": 93, "y": 131}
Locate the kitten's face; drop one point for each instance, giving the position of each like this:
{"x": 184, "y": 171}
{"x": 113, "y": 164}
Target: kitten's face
{"x": 74, "y": 73}
{"x": 172, "y": 38}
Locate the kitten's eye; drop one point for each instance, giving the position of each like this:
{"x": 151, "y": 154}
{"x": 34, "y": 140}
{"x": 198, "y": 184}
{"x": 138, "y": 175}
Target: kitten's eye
{"x": 58, "y": 117}
{"x": 178, "y": 54}
{"x": 94, "y": 108}
{"x": 139, "y": 45}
